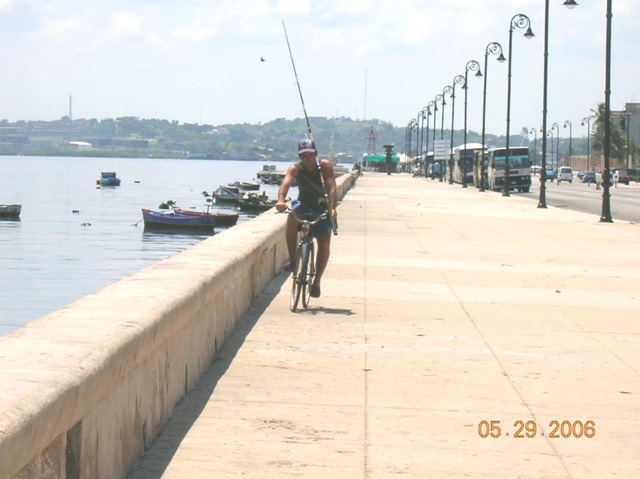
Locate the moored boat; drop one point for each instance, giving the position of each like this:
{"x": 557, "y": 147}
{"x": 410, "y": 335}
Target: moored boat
{"x": 256, "y": 203}
{"x": 172, "y": 219}
{"x": 222, "y": 220}
{"x": 109, "y": 178}
{"x": 270, "y": 176}
{"x": 227, "y": 194}
{"x": 10, "y": 211}
{"x": 245, "y": 185}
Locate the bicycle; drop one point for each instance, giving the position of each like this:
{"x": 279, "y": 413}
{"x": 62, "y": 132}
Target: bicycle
{"x": 304, "y": 266}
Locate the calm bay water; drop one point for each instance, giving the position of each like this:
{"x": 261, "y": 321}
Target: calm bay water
{"x": 54, "y": 255}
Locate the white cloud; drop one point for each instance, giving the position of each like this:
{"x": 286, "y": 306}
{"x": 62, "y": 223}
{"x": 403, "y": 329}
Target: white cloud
{"x": 294, "y": 7}
{"x": 68, "y": 30}
{"x": 124, "y": 25}
{"x": 410, "y": 49}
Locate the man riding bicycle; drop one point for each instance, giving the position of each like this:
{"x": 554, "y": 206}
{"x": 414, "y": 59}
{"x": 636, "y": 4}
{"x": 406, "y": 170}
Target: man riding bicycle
{"x": 311, "y": 199}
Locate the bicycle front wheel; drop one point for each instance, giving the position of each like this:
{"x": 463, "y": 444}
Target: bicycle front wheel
{"x": 297, "y": 277}
{"x": 309, "y": 259}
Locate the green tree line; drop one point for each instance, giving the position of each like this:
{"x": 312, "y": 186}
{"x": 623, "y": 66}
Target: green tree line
{"x": 274, "y": 140}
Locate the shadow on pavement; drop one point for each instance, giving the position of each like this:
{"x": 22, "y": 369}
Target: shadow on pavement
{"x": 187, "y": 412}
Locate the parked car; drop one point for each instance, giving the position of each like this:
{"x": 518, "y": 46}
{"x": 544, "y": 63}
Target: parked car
{"x": 551, "y": 174}
{"x": 565, "y": 173}
{"x": 623, "y": 176}
{"x": 434, "y": 170}
{"x": 589, "y": 177}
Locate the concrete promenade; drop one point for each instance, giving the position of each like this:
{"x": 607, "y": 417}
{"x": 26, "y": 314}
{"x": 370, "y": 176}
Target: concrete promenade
{"x": 441, "y": 308}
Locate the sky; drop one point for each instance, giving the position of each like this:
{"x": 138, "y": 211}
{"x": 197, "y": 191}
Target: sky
{"x": 195, "y": 61}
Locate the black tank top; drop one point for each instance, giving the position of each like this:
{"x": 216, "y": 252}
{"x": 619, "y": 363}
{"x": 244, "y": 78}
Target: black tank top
{"x": 310, "y": 191}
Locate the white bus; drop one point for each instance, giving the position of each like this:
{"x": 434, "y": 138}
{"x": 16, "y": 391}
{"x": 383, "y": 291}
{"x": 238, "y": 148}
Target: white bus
{"x": 519, "y": 169}
{"x": 464, "y": 159}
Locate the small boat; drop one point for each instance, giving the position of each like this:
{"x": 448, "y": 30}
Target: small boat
{"x": 109, "y": 178}
{"x": 222, "y": 220}
{"x": 227, "y": 194}
{"x": 10, "y": 211}
{"x": 171, "y": 219}
{"x": 255, "y": 202}
{"x": 270, "y": 176}
{"x": 245, "y": 185}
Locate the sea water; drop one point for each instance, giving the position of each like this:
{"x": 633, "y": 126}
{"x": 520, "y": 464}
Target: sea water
{"x": 74, "y": 237}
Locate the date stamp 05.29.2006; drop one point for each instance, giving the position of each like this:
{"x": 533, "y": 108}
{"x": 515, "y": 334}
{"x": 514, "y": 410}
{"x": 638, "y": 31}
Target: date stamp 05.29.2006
{"x": 530, "y": 429}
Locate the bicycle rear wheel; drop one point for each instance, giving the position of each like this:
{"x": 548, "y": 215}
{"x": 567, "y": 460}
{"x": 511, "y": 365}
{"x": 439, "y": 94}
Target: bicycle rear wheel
{"x": 297, "y": 277}
{"x": 309, "y": 259}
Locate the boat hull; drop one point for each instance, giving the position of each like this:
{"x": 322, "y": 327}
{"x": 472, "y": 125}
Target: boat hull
{"x": 109, "y": 178}
{"x": 222, "y": 220}
{"x": 254, "y": 204}
{"x": 10, "y": 211}
{"x": 227, "y": 194}
{"x": 173, "y": 220}
{"x": 110, "y": 182}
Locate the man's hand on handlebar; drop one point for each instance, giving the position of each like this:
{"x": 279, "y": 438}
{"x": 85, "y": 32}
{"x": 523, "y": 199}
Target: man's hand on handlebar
{"x": 281, "y": 206}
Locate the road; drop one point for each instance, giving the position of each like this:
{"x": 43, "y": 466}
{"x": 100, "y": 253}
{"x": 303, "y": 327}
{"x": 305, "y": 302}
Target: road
{"x": 625, "y": 200}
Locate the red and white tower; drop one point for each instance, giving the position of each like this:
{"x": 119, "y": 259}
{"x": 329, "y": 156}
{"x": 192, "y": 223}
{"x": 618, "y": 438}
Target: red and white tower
{"x": 371, "y": 137}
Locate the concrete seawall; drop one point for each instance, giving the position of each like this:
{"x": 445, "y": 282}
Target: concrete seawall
{"x": 85, "y": 389}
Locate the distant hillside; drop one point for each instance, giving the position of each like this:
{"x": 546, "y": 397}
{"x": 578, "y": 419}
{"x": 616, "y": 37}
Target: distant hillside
{"x": 131, "y": 136}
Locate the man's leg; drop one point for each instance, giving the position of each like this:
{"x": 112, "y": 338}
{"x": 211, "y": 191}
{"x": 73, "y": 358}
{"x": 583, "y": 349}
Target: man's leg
{"x": 322, "y": 258}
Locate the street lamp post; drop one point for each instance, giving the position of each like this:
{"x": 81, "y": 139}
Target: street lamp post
{"x": 457, "y": 80}
{"x": 518, "y": 21}
{"x": 422, "y": 118}
{"x": 472, "y": 65}
{"x": 413, "y": 127}
{"x": 496, "y": 49}
{"x": 605, "y": 216}
{"x": 568, "y": 122}
{"x": 587, "y": 119}
{"x": 535, "y": 144}
{"x": 430, "y": 111}
{"x": 557, "y": 127}
{"x": 418, "y": 134}
{"x": 445, "y": 91}
{"x": 542, "y": 201}
{"x": 435, "y": 117}
{"x": 407, "y": 138}
{"x": 550, "y": 133}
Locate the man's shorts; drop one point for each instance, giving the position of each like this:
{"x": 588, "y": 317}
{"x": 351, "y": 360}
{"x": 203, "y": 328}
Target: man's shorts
{"x": 323, "y": 228}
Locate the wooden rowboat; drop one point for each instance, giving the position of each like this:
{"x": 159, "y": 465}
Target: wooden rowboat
{"x": 173, "y": 220}
{"x": 222, "y": 220}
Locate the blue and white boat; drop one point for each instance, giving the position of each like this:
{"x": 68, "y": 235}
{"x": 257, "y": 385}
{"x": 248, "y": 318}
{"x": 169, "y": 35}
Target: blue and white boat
{"x": 228, "y": 194}
{"x": 109, "y": 178}
{"x": 172, "y": 219}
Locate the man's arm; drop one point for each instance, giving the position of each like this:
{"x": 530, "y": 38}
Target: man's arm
{"x": 288, "y": 180}
{"x": 330, "y": 182}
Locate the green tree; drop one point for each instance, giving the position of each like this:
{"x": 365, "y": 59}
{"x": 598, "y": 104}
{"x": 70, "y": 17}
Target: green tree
{"x": 617, "y": 144}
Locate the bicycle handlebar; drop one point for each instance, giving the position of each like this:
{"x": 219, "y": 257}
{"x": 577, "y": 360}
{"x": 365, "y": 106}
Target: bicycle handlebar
{"x": 323, "y": 215}
{"x": 305, "y": 220}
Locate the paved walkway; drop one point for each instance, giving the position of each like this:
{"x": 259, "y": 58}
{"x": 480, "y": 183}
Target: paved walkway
{"x": 443, "y": 309}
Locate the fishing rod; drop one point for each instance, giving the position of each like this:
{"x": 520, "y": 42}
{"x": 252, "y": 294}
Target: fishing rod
{"x": 295, "y": 73}
{"x": 334, "y": 223}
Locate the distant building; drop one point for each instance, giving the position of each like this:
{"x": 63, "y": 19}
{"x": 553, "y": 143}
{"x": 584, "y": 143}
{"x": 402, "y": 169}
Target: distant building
{"x": 79, "y": 146}
{"x": 628, "y": 120}
{"x": 35, "y": 144}
{"x": 13, "y": 143}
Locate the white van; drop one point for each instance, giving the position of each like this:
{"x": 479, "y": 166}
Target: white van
{"x": 565, "y": 173}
